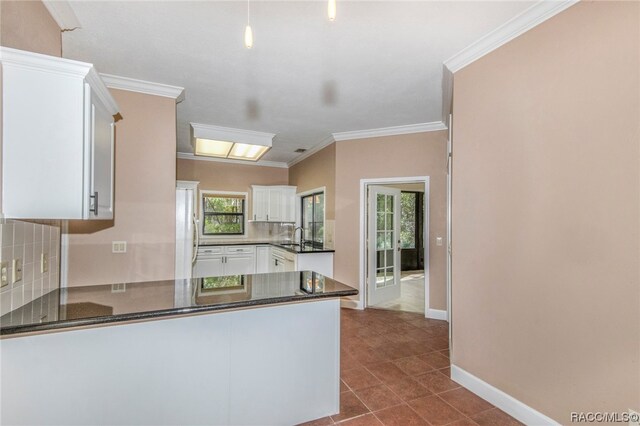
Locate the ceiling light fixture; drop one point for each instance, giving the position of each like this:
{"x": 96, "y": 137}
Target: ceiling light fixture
{"x": 225, "y": 142}
{"x": 248, "y": 33}
{"x": 331, "y": 10}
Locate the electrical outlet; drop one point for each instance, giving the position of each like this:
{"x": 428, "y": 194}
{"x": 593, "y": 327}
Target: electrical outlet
{"x": 17, "y": 271}
{"x": 118, "y": 288}
{"x": 44, "y": 262}
{"x": 4, "y": 274}
{"x": 438, "y": 241}
{"x": 118, "y": 246}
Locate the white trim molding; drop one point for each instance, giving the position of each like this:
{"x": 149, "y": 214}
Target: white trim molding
{"x": 308, "y": 153}
{"x": 62, "y": 12}
{"x": 437, "y": 314}
{"x": 390, "y": 131}
{"x": 500, "y": 399}
{"x": 533, "y": 16}
{"x": 263, "y": 163}
{"x": 142, "y": 86}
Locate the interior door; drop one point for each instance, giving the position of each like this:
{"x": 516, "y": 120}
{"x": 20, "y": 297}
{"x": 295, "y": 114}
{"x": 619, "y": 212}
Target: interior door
{"x": 383, "y": 244}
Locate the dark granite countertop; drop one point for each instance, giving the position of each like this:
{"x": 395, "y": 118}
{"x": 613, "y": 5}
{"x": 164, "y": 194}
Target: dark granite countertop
{"x": 285, "y": 245}
{"x": 113, "y": 303}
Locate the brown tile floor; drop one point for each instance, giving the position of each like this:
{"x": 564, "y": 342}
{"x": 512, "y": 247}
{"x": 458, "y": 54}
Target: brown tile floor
{"x": 395, "y": 371}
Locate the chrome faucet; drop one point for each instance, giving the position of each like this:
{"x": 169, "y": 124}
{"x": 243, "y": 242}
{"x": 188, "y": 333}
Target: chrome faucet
{"x": 301, "y": 241}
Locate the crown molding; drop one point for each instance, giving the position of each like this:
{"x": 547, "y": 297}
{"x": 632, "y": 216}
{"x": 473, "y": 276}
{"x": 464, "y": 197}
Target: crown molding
{"x": 511, "y": 29}
{"x": 209, "y": 131}
{"x": 63, "y": 14}
{"x": 262, "y": 163}
{"x": 308, "y": 153}
{"x": 53, "y": 64}
{"x": 141, "y": 86}
{"x": 390, "y": 131}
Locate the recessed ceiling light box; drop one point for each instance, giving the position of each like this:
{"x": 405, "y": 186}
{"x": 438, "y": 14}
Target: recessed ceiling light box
{"x": 225, "y": 142}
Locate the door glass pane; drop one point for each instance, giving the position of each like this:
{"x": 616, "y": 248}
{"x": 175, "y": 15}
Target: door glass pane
{"x": 319, "y": 207}
{"x": 380, "y": 202}
{"x": 380, "y": 278}
{"x": 388, "y": 240}
{"x": 380, "y": 239}
{"x": 388, "y": 281}
{"x": 380, "y": 222}
{"x": 389, "y": 258}
{"x": 307, "y": 217}
{"x": 390, "y": 203}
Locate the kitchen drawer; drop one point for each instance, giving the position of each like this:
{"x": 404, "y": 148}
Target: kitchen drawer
{"x": 239, "y": 249}
{"x": 209, "y": 250}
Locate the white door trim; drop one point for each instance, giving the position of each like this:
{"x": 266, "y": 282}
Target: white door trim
{"x": 364, "y": 183}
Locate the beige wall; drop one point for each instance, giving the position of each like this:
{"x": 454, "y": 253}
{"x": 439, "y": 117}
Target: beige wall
{"x": 27, "y": 25}
{"x": 546, "y": 286}
{"x": 144, "y": 200}
{"x": 214, "y": 175}
{"x": 421, "y": 154}
{"x": 317, "y": 171}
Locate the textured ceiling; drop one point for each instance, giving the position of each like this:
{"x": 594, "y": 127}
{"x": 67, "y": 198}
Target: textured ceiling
{"x": 378, "y": 65}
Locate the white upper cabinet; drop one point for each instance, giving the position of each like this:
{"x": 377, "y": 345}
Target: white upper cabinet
{"x": 57, "y": 139}
{"x": 273, "y": 203}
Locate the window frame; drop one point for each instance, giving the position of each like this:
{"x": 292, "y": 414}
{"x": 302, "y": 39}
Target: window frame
{"x": 301, "y": 196}
{"x": 229, "y": 194}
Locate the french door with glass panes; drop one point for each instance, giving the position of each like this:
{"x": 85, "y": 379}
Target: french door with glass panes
{"x": 383, "y": 244}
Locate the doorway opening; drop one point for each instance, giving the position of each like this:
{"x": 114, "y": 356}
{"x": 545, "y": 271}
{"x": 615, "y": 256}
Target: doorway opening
{"x": 394, "y": 273}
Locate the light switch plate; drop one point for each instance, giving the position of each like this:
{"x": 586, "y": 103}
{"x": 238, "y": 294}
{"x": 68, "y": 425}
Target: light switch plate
{"x": 438, "y": 241}
{"x": 16, "y": 271}
{"x": 44, "y": 262}
{"x": 4, "y": 274}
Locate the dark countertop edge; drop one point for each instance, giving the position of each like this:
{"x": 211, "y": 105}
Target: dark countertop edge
{"x": 264, "y": 243}
{"x": 31, "y": 328}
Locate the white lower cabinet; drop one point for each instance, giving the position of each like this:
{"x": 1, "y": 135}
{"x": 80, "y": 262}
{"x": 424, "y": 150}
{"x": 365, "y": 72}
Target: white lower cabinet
{"x": 244, "y": 259}
{"x": 217, "y": 261}
{"x": 263, "y": 258}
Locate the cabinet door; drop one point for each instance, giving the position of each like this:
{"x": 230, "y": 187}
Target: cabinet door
{"x": 275, "y": 205}
{"x": 289, "y": 205}
{"x": 101, "y": 140}
{"x": 263, "y": 255}
{"x": 239, "y": 265}
{"x": 260, "y": 204}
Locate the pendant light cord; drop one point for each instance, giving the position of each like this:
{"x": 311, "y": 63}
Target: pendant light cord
{"x": 248, "y": 15}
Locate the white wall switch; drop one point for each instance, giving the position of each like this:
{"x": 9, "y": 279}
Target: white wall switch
{"x": 438, "y": 241}
{"x": 44, "y": 262}
{"x": 17, "y": 271}
{"x": 4, "y": 274}
{"x": 118, "y": 246}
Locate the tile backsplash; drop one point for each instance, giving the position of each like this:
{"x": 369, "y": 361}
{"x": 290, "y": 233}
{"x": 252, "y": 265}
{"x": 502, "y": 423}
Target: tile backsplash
{"x": 28, "y": 242}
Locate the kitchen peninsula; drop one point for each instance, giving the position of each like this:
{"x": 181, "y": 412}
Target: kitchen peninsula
{"x": 240, "y": 349}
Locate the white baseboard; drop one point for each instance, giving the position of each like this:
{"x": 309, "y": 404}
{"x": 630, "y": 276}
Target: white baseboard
{"x": 351, "y": 304}
{"x": 437, "y": 314}
{"x": 503, "y": 401}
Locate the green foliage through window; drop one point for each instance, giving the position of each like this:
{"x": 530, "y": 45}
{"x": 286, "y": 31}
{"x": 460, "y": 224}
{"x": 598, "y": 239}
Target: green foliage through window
{"x": 313, "y": 219}
{"x": 408, "y": 220}
{"x": 223, "y": 214}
